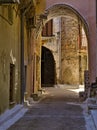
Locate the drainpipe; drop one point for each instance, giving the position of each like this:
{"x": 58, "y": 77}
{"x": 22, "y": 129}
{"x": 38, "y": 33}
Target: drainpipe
{"x": 22, "y": 59}
{"x": 23, "y": 12}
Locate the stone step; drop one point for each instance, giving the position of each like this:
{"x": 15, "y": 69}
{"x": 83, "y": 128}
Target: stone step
{"x": 9, "y": 112}
{"x": 11, "y": 116}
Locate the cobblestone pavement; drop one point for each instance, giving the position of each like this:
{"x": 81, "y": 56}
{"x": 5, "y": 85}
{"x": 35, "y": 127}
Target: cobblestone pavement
{"x": 59, "y": 110}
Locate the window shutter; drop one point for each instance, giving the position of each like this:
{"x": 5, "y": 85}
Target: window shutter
{"x": 48, "y": 29}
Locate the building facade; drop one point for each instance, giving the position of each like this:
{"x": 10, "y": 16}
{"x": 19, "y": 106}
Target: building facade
{"x": 20, "y": 23}
{"x": 9, "y": 56}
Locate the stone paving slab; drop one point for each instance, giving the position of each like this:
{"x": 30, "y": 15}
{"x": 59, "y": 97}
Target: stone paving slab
{"x": 54, "y": 112}
{"x": 52, "y": 116}
{"x": 59, "y": 110}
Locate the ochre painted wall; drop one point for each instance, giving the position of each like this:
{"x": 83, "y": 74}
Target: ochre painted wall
{"x": 9, "y": 53}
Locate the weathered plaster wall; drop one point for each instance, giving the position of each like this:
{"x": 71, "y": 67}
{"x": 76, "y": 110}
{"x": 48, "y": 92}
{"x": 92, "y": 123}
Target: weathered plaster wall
{"x": 9, "y": 53}
{"x": 41, "y": 4}
{"x": 37, "y": 64}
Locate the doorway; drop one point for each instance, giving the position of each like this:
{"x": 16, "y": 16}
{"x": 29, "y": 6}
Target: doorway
{"x": 47, "y": 68}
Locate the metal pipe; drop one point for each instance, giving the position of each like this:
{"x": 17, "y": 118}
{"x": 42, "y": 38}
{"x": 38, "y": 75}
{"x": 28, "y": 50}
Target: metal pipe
{"x": 22, "y": 59}
{"x": 23, "y": 11}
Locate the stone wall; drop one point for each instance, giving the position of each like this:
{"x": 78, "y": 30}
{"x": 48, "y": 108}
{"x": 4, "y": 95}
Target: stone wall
{"x": 69, "y": 49}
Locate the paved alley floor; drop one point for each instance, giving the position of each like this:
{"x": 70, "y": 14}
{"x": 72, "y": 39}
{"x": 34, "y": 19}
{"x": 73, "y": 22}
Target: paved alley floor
{"x": 59, "y": 110}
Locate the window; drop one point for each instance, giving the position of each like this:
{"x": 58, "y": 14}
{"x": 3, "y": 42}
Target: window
{"x": 48, "y": 29}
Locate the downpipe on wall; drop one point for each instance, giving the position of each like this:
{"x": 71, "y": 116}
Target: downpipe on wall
{"x": 23, "y": 85}
{"x": 22, "y": 59}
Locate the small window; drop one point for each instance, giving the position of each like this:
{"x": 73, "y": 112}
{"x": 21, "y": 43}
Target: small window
{"x": 48, "y": 29}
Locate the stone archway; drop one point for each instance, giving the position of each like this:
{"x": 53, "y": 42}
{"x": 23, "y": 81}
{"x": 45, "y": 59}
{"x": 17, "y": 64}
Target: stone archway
{"x": 47, "y": 68}
{"x": 85, "y": 11}
{"x": 69, "y": 68}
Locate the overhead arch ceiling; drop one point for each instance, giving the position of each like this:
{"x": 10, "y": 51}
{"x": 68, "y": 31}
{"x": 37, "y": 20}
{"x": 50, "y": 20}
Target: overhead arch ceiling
{"x": 60, "y": 10}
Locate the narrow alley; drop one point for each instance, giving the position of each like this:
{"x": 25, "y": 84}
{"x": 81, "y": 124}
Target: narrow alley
{"x": 59, "y": 110}
{"x": 48, "y": 64}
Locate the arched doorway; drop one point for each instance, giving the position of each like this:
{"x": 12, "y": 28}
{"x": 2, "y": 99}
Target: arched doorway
{"x": 47, "y": 68}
